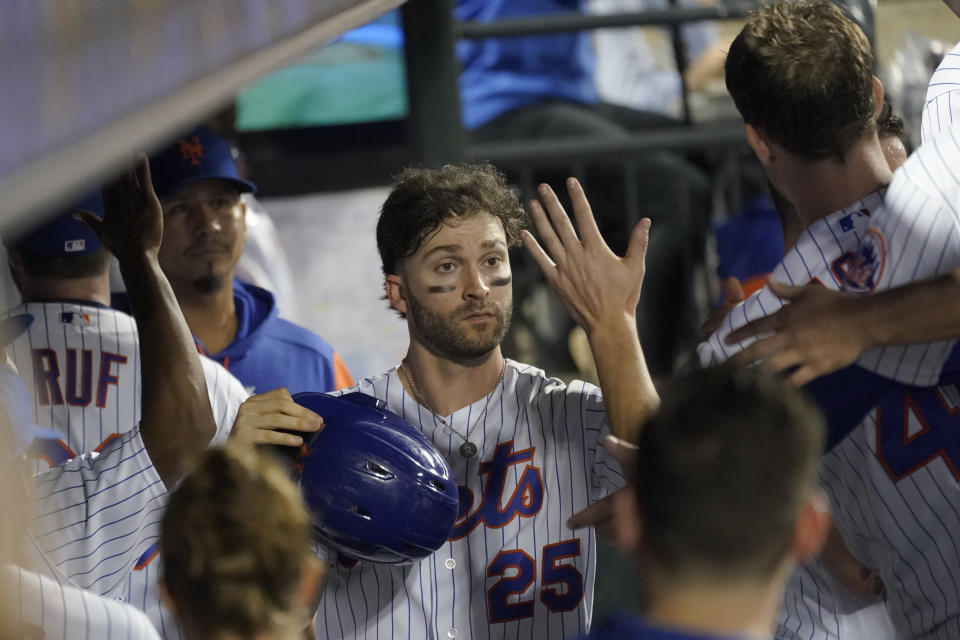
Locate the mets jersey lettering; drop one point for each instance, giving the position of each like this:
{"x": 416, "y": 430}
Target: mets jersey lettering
{"x": 511, "y": 567}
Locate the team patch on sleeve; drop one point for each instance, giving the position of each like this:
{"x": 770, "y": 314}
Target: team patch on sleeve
{"x": 861, "y": 271}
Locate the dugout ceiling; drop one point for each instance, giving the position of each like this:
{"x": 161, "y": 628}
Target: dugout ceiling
{"x": 84, "y": 83}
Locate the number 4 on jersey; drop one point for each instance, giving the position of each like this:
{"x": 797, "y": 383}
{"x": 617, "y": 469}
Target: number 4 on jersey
{"x": 916, "y": 428}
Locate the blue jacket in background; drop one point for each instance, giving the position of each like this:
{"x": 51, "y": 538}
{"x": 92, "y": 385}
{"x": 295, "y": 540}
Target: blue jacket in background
{"x": 269, "y": 352}
{"x": 503, "y": 74}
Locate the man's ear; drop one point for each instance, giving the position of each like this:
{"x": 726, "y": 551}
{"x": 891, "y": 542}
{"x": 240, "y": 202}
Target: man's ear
{"x": 877, "y": 96}
{"x": 396, "y": 292}
{"x": 760, "y": 144}
{"x": 813, "y": 525}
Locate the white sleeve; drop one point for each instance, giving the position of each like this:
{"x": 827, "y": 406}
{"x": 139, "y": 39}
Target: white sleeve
{"x": 51, "y": 610}
{"x": 941, "y": 112}
{"x": 941, "y": 106}
{"x": 912, "y": 238}
{"x": 586, "y": 401}
{"x": 97, "y": 514}
{"x": 226, "y": 395}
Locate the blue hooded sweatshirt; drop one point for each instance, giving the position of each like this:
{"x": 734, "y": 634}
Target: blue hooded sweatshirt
{"x": 269, "y": 352}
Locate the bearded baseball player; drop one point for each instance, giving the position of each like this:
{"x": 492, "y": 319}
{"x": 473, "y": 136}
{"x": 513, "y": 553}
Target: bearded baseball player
{"x": 894, "y": 493}
{"x": 523, "y": 446}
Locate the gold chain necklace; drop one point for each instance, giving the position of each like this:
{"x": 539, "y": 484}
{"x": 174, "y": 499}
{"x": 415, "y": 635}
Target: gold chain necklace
{"x": 467, "y": 449}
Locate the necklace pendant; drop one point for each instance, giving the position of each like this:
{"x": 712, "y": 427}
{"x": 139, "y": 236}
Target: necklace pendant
{"x": 468, "y": 450}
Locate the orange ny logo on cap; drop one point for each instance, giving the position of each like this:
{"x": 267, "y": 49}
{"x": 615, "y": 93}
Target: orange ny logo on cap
{"x": 190, "y": 150}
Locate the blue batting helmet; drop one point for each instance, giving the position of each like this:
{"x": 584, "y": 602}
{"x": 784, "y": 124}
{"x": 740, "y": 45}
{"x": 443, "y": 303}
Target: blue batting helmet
{"x": 377, "y": 488}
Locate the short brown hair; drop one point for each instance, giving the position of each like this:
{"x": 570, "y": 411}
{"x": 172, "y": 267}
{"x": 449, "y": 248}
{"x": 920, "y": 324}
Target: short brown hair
{"x": 422, "y": 199}
{"x": 802, "y": 72}
{"x": 723, "y": 470}
{"x": 87, "y": 265}
{"x": 235, "y": 541}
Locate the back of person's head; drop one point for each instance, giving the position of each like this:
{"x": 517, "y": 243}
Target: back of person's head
{"x": 236, "y": 548}
{"x": 724, "y": 471}
{"x": 63, "y": 247}
{"x": 802, "y": 72}
{"x": 423, "y": 199}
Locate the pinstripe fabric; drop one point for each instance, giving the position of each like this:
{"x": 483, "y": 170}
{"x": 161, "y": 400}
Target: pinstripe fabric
{"x": 814, "y": 607}
{"x": 96, "y": 514}
{"x": 454, "y": 592}
{"x": 920, "y": 230}
{"x": 122, "y": 513}
{"x": 941, "y": 108}
{"x": 36, "y": 606}
{"x": 893, "y": 482}
{"x": 45, "y": 362}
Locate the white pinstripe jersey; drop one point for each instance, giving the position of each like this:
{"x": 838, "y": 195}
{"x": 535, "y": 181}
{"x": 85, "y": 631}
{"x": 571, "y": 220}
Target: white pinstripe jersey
{"x": 81, "y": 365}
{"x": 941, "y": 108}
{"x": 894, "y": 481}
{"x": 511, "y": 568}
{"x": 814, "y": 607}
{"x": 34, "y": 606}
{"x": 84, "y": 360}
{"x": 96, "y": 515}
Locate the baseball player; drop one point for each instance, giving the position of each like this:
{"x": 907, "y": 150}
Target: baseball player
{"x": 884, "y": 491}
{"x": 722, "y": 505}
{"x": 523, "y": 446}
{"x": 98, "y": 513}
{"x": 234, "y": 322}
{"x": 81, "y": 357}
{"x": 32, "y": 605}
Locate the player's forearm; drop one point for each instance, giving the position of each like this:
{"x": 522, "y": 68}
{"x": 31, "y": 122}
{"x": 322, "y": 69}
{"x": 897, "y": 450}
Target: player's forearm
{"x": 628, "y": 391}
{"x": 176, "y": 419}
{"x": 918, "y": 312}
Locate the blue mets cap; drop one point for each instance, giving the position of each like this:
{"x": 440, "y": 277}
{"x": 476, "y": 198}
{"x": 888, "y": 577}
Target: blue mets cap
{"x": 64, "y": 235}
{"x": 198, "y": 155}
{"x": 14, "y": 399}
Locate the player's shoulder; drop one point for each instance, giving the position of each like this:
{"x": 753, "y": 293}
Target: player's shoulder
{"x": 43, "y": 603}
{"x": 220, "y": 382}
{"x": 946, "y": 77}
{"x": 532, "y": 383}
{"x": 931, "y": 172}
{"x": 81, "y": 314}
{"x": 378, "y": 385}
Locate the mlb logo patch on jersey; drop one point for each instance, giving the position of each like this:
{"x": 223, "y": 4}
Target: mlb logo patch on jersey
{"x": 74, "y": 318}
{"x": 847, "y": 221}
{"x": 74, "y": 246}
{"x": 864, "y": 270}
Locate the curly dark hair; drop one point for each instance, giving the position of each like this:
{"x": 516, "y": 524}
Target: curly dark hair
{"x": 422, "y": 199}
